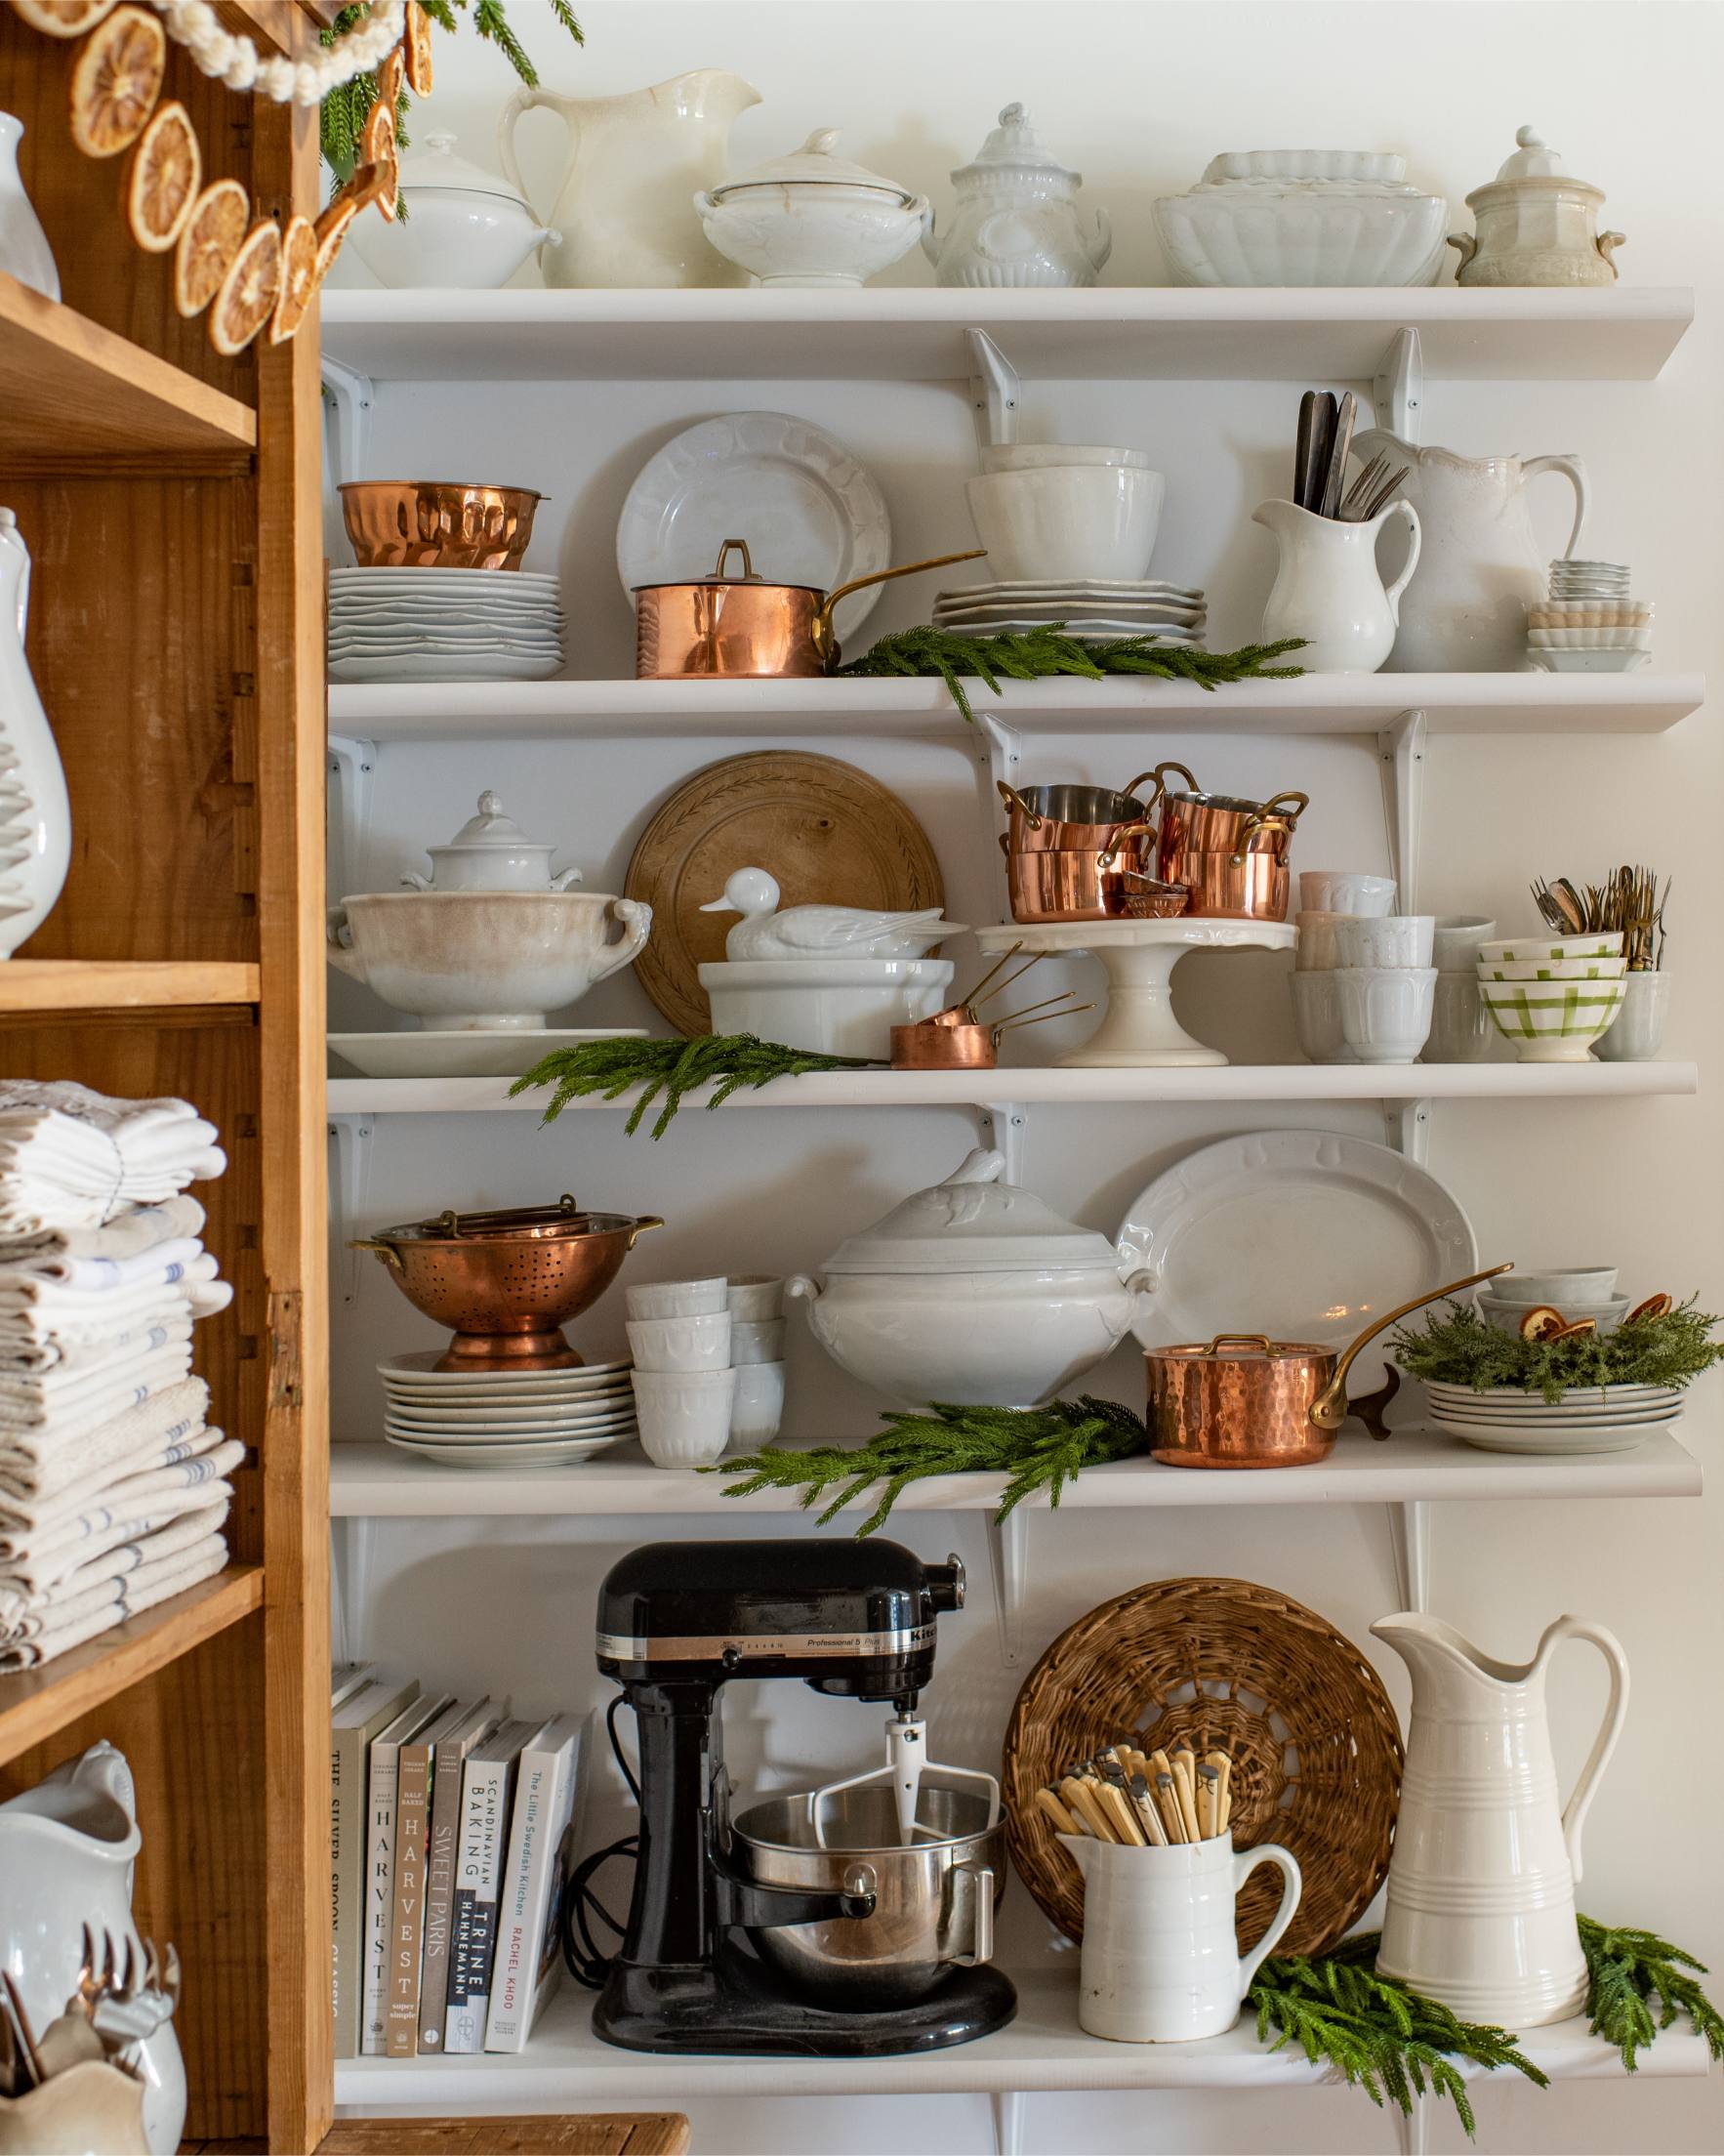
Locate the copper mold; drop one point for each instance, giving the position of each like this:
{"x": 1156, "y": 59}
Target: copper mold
{"x": 438, "y": 524}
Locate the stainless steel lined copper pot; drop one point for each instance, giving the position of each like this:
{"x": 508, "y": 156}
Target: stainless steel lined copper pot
{"x": 1243, "y": 1400}
{"x": 1070, "y": 818}
{"x": 1196, "y": 822}
{"x": 744, "y": 627}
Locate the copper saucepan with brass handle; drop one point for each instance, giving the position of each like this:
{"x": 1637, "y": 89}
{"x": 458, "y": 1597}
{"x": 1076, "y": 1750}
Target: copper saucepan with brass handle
{"x": 1243, "y": 1400}
{"x": 744, "y": 628}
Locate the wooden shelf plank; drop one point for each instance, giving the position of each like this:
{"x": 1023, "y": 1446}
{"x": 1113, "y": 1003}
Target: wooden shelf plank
{"x": 71, "y": 391}
{"x": 35, "y": 1703}
{"x": 30, "y": 984}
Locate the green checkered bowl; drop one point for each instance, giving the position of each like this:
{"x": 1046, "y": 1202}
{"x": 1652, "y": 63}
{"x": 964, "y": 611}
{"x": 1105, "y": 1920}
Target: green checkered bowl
{"x": 1542, "y": 949}
{"x": 1552, "y": 1021}
{"x": 1555, "y": 969}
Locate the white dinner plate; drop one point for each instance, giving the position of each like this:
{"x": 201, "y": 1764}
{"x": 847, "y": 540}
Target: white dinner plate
{"x": 1556, "y": 1419}
{"x": 540, "y": 619}
{"x": 420, "y": 1364}
{"x": 525, "y": 1433}
{"x": 1598, "y": 1438}
{"x": 482, "y": 1053}
{"x": 447, "y": 667}
{"x": 352, "y": 578}
{"x": 1078, "y": 587}
{"x": 809, "y": 512}
{"x": 1511, "y": 1398}
{"x": 1088, "y": 632}
{"x": 559, "y": 1453}
{"x": 452, "y": 1417}
{"x": 1305, "y": 1236}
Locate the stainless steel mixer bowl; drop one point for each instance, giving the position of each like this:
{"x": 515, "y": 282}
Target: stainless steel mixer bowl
{"x": 934, "y": 1901}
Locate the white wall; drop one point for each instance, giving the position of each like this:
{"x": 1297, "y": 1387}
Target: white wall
{"x": 1141, "y": 97}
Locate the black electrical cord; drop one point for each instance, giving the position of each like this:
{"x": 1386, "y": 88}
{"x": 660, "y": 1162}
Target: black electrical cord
{"x": 587, "y": 1963}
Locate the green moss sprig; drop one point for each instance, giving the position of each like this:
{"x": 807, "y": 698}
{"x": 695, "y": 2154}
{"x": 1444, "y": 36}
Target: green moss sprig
{"x": 1629, "y": 1970}
{"x": 1456, "y": 1347}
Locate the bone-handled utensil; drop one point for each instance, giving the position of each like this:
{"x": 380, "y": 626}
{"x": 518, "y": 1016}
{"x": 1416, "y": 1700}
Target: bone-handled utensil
{"x": 1209, "y": 1799}
{"x": 1076, "y": 1795}
{"x": 1125, "y": 1818}
{"x": 1322, "y": 442}
{"x": 1302, "y": 449}
{"x": 1186, "y": 1789}
{"x": 1223, "y": 1767}
{"x": 1058, "y": 1818}
{"x": 1341, "y": 449}
{"x": 1148, "y": 1817}
{"x": 1167, "y": 1796}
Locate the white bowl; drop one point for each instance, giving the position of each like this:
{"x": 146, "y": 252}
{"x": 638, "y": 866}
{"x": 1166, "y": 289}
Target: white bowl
{"x": 757, "y": 1339}
{"x": 1338, "y": 891}
{"x": 675, "y": 1298}
{"x": 1387, "y": 1010}
{"x": 756, "y": 1296}
{"x": 1317, "y": 1018}
{"x": 1303, "y": 218}
{"x": 1068, "y": 521}
{"x": 834, "y": 1006}
{"x": 1590, "y": 640}
{"x": 681, "y": 1343}
{"x": 757, "y": 1408}
{"x": 1508, "y": 1317}
{"x": 1454, "y": 946}
{"x": 685, "y": 1416}
{"x": 1540, "y": 945}
{"x": 1590, "y": 662}
{"x": 1530, "y": 1286}
{"x": 1552, "y": 1021}
{"x": 1317, "y": 951}
{"x": 1461, "y": 1031}
{"x": 1390, "y": 940}
{"x": 811, "y": 232}
{"x": 1034, "y": 456}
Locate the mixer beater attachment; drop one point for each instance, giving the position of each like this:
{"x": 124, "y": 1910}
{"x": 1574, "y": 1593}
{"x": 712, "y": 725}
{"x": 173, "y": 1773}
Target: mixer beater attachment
{"x": 907, "y": 1761}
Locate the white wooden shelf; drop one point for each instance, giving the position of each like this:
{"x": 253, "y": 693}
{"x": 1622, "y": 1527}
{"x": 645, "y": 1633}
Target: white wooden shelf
{"x": 565, "y": 2066}
{"x": 1050, "y": 1086}
{"x": 1117, "y": 332}
{"x": 922, "y": 710}
{"x": 378, "y": 1482}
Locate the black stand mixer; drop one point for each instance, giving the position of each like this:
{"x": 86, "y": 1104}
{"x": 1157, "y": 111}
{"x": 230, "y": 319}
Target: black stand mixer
{"x": 849, "y": 1920}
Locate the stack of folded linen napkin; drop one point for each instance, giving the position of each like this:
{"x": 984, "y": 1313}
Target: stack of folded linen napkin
{"x": 113, "y": 1486}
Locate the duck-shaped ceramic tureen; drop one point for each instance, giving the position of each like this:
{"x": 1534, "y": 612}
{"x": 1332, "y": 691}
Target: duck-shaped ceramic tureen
{"x": 820, "y": 931}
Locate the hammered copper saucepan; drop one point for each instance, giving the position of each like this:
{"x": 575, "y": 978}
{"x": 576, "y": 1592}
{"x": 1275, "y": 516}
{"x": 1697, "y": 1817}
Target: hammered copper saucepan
{"x": 1243, "y": 1400}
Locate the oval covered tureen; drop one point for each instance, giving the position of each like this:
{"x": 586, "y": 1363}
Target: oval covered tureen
{"x": 974, "y": 1293}
{"x": 491, "y": 853}
{"x": 813, "y": 218}
{"x": 465, "y": 227}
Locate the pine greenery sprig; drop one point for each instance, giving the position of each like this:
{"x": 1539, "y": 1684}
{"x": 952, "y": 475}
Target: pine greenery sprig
{"x": 1037, "y": 1448}
{"x": 1039, "y": 653}
{"x": 1384, "y": 2038}
{"x": 1626, "y": 1970}
{"x": 725, "y": 1061}
{"x": 1456, "y": 1347}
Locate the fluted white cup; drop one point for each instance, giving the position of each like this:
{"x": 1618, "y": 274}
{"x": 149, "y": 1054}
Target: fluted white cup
{"x": 1345, "y": 890}
{"x": 1389, "y": 940}
{"x": 681, "y": 1343}
{"x": 1387, "y": 1010}
{"x": 683, "y": 1415}
{"x": 1317, "y": 1018}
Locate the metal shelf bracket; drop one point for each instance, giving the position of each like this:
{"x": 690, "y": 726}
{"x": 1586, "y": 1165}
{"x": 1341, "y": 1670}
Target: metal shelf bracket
{"x": 1008, "y": 1554}
{"x": 993, "y": 389}
{"x": 352, "y": 1548}
{"x": 1007, "y": 2106}
{"x": 1399, "y": 752}
{"x": 352, "y": 767}
{"x": 352, "y": 396}
{"x": 1407, "y": 1127}
{"x": 1003, "y": 1125}
{"x": 1413, "y": 2129}
{"x": 1398, "y": 392}
{"x": 1410, "y": 1538}
{"x": 350, "y": 1181}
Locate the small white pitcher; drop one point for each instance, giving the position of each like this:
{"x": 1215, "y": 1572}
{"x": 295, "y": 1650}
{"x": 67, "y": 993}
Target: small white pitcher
{"x": 1328, "y": 589}
{"x": 1161, "y": 1960}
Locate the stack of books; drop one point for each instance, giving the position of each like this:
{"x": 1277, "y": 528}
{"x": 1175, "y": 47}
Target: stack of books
{"x": 451, "y": 1827}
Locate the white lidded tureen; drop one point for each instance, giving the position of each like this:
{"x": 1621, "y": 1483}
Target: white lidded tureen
{"x": 1303, "y": 216}
{"x": 491, "y": 853}
{"x": 465, "y": 227}
{"x": 1016, "y": 223}
{"x": 813, "y": 218}
{"x": 973, "y": 1292}
{"x": 1536, "y": 224}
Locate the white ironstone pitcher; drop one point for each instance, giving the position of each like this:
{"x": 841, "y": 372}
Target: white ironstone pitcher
{"x": 1481, "y": 1885}
{"x": 36, "y": 819}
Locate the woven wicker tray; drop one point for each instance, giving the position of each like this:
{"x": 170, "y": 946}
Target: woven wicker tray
{"x": 1220, "y": 1663}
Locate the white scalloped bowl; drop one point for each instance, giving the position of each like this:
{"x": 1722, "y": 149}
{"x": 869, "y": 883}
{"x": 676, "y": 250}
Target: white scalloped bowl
{"x": 1303, "y": 218}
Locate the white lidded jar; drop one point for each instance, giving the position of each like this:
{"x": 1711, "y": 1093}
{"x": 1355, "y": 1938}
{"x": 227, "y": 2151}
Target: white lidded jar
{"x": 973, "y": 1292}
{"x": 466, "y": 228}
{"x": 491, "y": 853}
{"x": 1536, "y": 224}
{"x": 1017, "y": 221}
{"x": 813, "y": 218}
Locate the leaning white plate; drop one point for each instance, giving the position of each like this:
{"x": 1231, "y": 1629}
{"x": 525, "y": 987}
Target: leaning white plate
{"x": 559, "y": 1453}
{"x": 1305, "y": 1236}
{"x": 1598, "y": 1438}
{"x": 484, "y": 1054}
{"x": 809, "y": 512}
{"x": 421, "y": 1364}
{"x": 449, "y": 668}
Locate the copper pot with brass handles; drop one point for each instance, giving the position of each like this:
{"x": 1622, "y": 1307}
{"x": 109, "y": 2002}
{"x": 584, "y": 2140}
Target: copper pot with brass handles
{"x": 744, "y": 628}
{"x": 1196, "y": 822}
{"x": 1243, "y": 1400}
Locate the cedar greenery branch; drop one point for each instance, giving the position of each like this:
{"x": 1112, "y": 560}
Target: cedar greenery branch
{"x": 1457, "y": 1346}
{"x": 726, "y": 1062}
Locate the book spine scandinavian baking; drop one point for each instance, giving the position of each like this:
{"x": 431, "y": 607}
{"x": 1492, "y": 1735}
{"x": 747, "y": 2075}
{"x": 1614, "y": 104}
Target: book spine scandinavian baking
{"x": 532, "y": 1882}
{"x": 477, "y": 1728}
{"x": 488, "y": 1785}
{"x": 355, "y": 1724}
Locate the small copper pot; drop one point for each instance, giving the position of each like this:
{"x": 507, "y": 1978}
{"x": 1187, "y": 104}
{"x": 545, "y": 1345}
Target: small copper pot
{"x": 1196, "y": 822}
{"x": 743, "y": 628}
{"x": 1266, "y": 1403}
{"x": 1070, "y": 818}
{"x": 1227, "y": 887}
{"x": 1074, "y": 883}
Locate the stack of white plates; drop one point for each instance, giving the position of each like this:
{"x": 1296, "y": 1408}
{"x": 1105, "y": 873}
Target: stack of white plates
{"x": 1093, "y": 611}
{"x": 505, "y": 1418}
{"x": 1608, "y": 1418}
{"x": 443, "y": 625}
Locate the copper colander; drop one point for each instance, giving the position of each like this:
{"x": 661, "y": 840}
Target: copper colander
{"x": 507, "y": 1282}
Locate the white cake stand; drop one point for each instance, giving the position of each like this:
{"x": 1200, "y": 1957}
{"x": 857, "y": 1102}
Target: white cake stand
{"x": 1138, "y": 1028}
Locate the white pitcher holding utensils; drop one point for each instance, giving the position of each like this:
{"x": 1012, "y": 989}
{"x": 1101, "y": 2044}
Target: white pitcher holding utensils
{"x": 1481, "y": 564}
{"x": 1481, "y": 1887}
{"x": 1161, "y": 1960}
{"x": 1327, "y": 588}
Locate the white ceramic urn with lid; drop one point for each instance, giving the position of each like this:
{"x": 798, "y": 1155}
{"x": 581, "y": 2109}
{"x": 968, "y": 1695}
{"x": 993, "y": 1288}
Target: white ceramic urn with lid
{"x": 813, "y": 218}
{"x": 973, "y": 1292}
{"x": 1016, "y": 223}
{"x": 491, "y": 853}
{"x": 1536, "y": 224}
{"x": 464, "y": 227}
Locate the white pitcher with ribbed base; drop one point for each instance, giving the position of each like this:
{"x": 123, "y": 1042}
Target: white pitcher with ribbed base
{"x": 1480, "y": 1890}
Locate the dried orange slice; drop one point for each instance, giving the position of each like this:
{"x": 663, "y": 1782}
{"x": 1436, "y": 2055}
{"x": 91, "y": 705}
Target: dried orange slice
{"x": 246, "y": 298}
{"x": 208, "y": 243}
{"x": 116, "y": 81}
{"x": 376, "y": 137}
{"x": 1655, "y": 1306}
{"x": 388, "y": 79}
{"x": 166, "y": 169}
{"x": 418, "y": 46}
{"x": 1543, "y": 1323}
{"x": 299, "y": 278}
{"x": 378, "y": 184}
{"x": 331, "y": 230}
{"x": 63, "y": 17}
{"x": 1576, "y": 1331}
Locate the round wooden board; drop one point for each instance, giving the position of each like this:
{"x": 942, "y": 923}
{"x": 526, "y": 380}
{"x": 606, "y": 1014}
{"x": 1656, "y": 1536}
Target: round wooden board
{"x": 828, "y": 833}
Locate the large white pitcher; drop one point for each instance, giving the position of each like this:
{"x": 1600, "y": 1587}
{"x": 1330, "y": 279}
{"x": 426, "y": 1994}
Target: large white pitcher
{"x": 625, "y": 205}
{"x": 1161, "y": 1960}
{"x": 1481, "y": 1887}
{"x": 1481, "y": 566}
{"x": 35, "y": 817}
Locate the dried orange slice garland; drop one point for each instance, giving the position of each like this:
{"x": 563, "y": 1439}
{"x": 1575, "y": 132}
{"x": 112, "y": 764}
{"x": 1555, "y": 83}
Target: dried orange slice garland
{"x": 167, "y": 167}
{"x": 246, "y": 278}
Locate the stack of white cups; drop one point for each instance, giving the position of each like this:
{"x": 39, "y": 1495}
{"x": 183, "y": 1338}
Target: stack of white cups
{"x": 1328, "y": 897}
{"x": 1386, "y": 983}
{"x": 708, "y": 1365}
{"x": 1461, "y": 1031}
